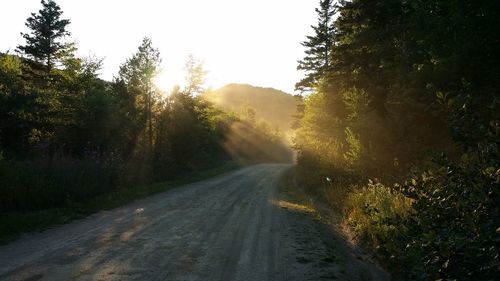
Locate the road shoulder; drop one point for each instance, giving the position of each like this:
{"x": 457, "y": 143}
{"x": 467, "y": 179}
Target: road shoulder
{"x": 318, "y": 250}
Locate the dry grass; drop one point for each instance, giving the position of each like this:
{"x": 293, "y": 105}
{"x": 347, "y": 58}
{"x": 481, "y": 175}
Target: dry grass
{"x": 371, "y": 210}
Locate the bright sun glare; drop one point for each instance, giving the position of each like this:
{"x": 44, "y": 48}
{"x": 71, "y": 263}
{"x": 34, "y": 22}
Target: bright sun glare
{"x": 240, "y": 41}
{"x": 166, "y": 81}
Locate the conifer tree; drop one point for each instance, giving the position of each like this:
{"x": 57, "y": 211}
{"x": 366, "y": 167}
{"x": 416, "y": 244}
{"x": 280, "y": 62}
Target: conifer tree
{"x": 46, "y": 29}
{"x": 318, "y": 46}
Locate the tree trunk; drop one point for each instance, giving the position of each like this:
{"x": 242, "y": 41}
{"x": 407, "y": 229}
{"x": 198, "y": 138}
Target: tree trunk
{"x": 150, "y": 125}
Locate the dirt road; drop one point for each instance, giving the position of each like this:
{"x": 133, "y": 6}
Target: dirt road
{"x": 237, "y": 226}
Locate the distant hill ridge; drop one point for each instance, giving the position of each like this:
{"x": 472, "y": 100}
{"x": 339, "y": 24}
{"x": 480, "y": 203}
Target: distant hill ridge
{"x": 271, "y": 105}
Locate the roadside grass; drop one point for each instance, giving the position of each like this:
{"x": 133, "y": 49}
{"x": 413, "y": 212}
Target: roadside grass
{"x": 373, "y": 212}
{"x": 296, "y": 198}
{"x": 13, "y": 224}
{"x": 368, "y": 214}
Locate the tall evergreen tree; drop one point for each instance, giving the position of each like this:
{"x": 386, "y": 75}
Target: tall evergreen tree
{"x": 47, "y": 28}
{"x": 138, "y": 73}
{"x": 317, "y": 59}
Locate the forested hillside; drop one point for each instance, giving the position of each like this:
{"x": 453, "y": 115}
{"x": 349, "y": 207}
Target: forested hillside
{"x": 272, "y": 106}
{"x": 399, "y": 132}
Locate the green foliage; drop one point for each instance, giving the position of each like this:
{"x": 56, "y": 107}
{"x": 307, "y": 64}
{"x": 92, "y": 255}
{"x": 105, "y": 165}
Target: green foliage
{"x": 69, "y": 138}
{"x": 273, "y": 106}
{"x": 10, "y": 67}
{"x": 353, "y": 151}
{"x": 138, "y": 73}
{"x": 318, "y": 47}
{"x": 457, "y": 213}
{"x": 372, "y": 210}
{"x": 356, "y": 103}
{"x": 47, "y": 183}
{"x": 315, "y": 139}
{"x": 14, "y": 223}
{"x": 142, "y": 67}
{"x": 46, "y": 30}
{"x": 247, "y": 139}
{"x": 190, "y": 133}
{"x": 409, "y": 80}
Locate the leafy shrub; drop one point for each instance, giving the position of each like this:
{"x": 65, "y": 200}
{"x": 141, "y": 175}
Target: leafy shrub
{"x": 456, "y": 223}
{"x": 372, "y": 210}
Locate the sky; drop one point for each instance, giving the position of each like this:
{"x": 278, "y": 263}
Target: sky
{"x": 240, "y": 41}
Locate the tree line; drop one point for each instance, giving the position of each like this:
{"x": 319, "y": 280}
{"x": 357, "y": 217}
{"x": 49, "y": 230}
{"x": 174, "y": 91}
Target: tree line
{"x": 68, "y": 136}
{"x": 402, "y": 116}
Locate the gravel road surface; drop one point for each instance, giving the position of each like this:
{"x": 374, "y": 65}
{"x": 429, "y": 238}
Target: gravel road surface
{"x": 237, "y": 226}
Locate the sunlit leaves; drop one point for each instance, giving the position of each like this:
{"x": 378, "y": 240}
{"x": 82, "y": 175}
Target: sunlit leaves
{"x": 418, "y": 89}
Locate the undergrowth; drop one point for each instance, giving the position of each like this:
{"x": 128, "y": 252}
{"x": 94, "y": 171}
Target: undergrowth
{"x": 15, "y": 222}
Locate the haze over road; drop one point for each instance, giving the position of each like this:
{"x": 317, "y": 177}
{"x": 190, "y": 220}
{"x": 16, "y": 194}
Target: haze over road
{"x": 236, "y": 226}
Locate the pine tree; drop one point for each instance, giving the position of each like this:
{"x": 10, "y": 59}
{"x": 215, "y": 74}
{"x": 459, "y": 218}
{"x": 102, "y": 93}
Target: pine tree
{"x": 317, "y": 59}
{"x": 138, "y": 73}
{"x": 43, "y": 42}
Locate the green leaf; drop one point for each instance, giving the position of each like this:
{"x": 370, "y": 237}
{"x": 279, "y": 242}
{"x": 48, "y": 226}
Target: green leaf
{"x": 465, "y": 157}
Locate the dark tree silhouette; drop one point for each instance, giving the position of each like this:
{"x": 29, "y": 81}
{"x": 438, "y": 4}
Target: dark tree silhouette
{"x": 138, "y": 72}
{"x": 46, "y": 29}
{"x": 317, "y": 59}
